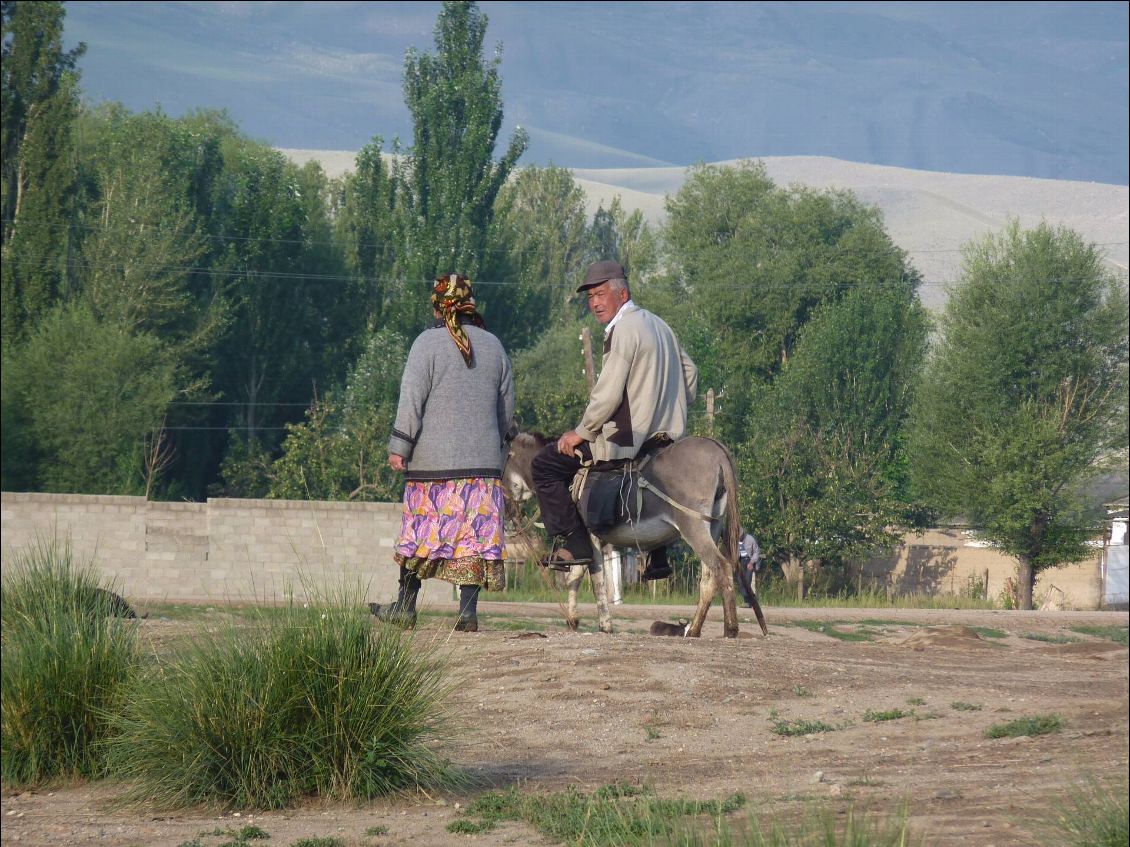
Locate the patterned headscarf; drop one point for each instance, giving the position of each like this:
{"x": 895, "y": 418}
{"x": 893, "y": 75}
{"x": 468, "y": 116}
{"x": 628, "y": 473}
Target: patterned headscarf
{"x": 453, "y": 298}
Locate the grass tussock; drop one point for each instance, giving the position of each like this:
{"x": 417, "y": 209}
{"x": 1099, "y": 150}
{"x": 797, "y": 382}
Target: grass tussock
{"x": 307, "y": 701}
{"x": 67, "y": 663}
{"x": 1093, "y": 814}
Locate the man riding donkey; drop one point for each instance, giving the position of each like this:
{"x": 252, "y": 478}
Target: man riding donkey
{"x": 639, "y": 403}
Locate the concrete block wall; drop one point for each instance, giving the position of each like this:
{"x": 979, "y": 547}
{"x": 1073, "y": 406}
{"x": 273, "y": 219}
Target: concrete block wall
{"x": 222, "y": 551}
{"x": 944, "y": 560}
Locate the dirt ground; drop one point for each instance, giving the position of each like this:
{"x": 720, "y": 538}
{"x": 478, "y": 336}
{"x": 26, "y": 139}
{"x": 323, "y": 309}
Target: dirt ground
{"x": 694, "y": 718}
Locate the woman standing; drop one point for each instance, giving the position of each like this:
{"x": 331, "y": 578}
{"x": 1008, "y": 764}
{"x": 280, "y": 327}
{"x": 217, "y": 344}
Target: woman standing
{"x": 452, "y": 425}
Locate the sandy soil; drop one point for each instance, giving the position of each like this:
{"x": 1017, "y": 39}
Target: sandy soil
{"x": 693, "y": 718}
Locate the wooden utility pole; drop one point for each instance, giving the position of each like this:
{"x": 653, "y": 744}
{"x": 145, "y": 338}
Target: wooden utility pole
{"x": 710, "y": 412}
{"x": 590, "y": 370}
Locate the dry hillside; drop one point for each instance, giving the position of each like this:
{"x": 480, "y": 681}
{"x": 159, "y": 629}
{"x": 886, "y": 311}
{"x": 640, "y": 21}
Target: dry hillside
{"x": 930, "y": 215}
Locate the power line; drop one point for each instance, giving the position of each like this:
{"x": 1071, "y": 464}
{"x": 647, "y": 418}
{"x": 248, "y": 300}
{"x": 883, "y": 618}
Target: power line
{"x": 425, "y": 284}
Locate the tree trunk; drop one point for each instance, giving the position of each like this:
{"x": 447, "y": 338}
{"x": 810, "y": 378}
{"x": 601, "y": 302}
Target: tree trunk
{"x": 1025, "y": 581}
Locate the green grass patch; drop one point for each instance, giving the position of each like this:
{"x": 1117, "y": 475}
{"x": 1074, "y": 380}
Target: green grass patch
{"x": 801, "y": 691}
{"x": 829, "y": 628}
{"x": 304, "y": 701}
{"x": 782, "y": 726}
{"x": 615, "y": 814}
{"x": 328, "y": 841}
{"x": 1038, "y": 725}
{"x": 376, "y": 830}
{"x": 915, "y": 701}
{"x": 872, "y": 716}
{"x": 1049, "y": 639}
{"x": 67, "y": 665}
{"x": 961, "y": 706}
{"x": 989, "y": 632}
{"x": 1118, "y": 634}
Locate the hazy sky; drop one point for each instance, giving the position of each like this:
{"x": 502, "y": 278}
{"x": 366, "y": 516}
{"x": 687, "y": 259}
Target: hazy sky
{"x": 1033, "y": 89}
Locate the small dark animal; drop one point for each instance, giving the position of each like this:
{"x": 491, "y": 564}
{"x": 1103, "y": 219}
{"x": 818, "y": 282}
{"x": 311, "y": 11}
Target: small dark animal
{"x": 113, "y": 605}
{"x": 679, "y": 630}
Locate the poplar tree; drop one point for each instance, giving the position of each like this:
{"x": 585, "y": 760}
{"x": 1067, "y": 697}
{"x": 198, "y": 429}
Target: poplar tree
{"x": 1024, "y": 396}
{"x": 39, "y": 92}
{"x": 451, "y": 177}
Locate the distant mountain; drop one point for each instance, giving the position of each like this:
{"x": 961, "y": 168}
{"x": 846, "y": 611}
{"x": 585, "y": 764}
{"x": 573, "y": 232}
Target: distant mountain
{"x": 1028, "y": 89}
{"x": 929, "y": 215}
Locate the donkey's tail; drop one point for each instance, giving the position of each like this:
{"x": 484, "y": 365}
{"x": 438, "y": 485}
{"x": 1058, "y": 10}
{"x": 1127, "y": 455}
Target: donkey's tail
{"x": 733, "y": 534}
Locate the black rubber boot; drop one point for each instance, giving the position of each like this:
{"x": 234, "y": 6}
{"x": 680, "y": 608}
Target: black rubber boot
{"x": 402, "y": 612}
{"x": 657, "y": 565}
{"x": 468, "y": 609}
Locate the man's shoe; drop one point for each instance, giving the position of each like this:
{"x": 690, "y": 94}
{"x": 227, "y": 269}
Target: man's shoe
{"x": 562, "y": 560}
{"x": 657, "y": 572}
{"x": 467, "y": 624}
{"x": 393, "y": 614}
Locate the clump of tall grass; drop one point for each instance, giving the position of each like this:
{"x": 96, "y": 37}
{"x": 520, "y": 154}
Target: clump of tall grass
{"x": 308, "y": 701}
{"x": 1094, "y": 814}
{"x": 66, "y": 665}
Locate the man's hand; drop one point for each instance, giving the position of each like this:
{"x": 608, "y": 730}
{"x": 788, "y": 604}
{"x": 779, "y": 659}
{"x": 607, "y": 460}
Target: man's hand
{"x": 396, "y": 462}
{"x": 568, "y": 443}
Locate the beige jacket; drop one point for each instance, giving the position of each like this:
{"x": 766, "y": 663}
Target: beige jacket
{"x": 647, "y": 382}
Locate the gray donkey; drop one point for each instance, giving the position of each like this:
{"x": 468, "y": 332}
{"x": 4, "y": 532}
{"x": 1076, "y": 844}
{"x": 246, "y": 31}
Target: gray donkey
{"x": 689, "y": 491}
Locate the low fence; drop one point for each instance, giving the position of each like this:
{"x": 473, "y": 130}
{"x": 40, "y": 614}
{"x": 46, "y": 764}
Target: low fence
{"x": 230, "y": 551}
{"x": 221, "y": 551}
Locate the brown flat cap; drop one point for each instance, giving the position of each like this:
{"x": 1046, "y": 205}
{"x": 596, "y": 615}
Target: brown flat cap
{"x": 599, "y": 272}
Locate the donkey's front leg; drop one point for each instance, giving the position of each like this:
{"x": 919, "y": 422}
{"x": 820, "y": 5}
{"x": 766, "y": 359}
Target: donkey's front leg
{"x": 573, "y": 582}
{"x": 599, "y": 587}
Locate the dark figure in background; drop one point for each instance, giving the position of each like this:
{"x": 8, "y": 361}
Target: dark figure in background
{"x": 647, "y": 382}
{"x": 453, "y": 420}
{"x": 749, "y": 563}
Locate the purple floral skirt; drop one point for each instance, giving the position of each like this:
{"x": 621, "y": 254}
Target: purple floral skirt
{"x": 453, "y": 530}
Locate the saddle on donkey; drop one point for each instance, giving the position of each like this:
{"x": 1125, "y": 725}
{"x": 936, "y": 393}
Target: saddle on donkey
{"x": 610, "y": 494}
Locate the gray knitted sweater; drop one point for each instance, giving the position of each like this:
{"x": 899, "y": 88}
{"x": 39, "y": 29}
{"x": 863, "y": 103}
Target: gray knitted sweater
{"x": 452, "y": 421}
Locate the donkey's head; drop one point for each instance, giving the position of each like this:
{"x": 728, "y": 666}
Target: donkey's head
{"x": 518, "y": 473}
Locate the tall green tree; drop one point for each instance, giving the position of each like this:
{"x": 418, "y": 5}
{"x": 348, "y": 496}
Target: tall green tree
{"x": 823, "y": 475}
{"x": 365, "y": 205}
{"x": 39, "y": 95}
{"x": 90, "y": 397}
{"x": 541, "y": 225}
{"x": 1025, "y": 395}
{"x": 451, "y": 176}
{"x": 755, "y": 261}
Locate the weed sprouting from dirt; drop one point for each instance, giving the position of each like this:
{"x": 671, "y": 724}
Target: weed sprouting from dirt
{"x": 1038, "y": 725}
{"x": 872, "y": 716}
{"x": 962, "y": 706}
{"x": 781, "y": 726}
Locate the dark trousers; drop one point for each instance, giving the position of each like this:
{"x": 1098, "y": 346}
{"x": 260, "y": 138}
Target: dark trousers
{"x": 553, "y": 472}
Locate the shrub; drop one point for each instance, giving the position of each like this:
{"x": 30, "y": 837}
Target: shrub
{"x": 67, "y": 663}
{"x": 306, "y": 701}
